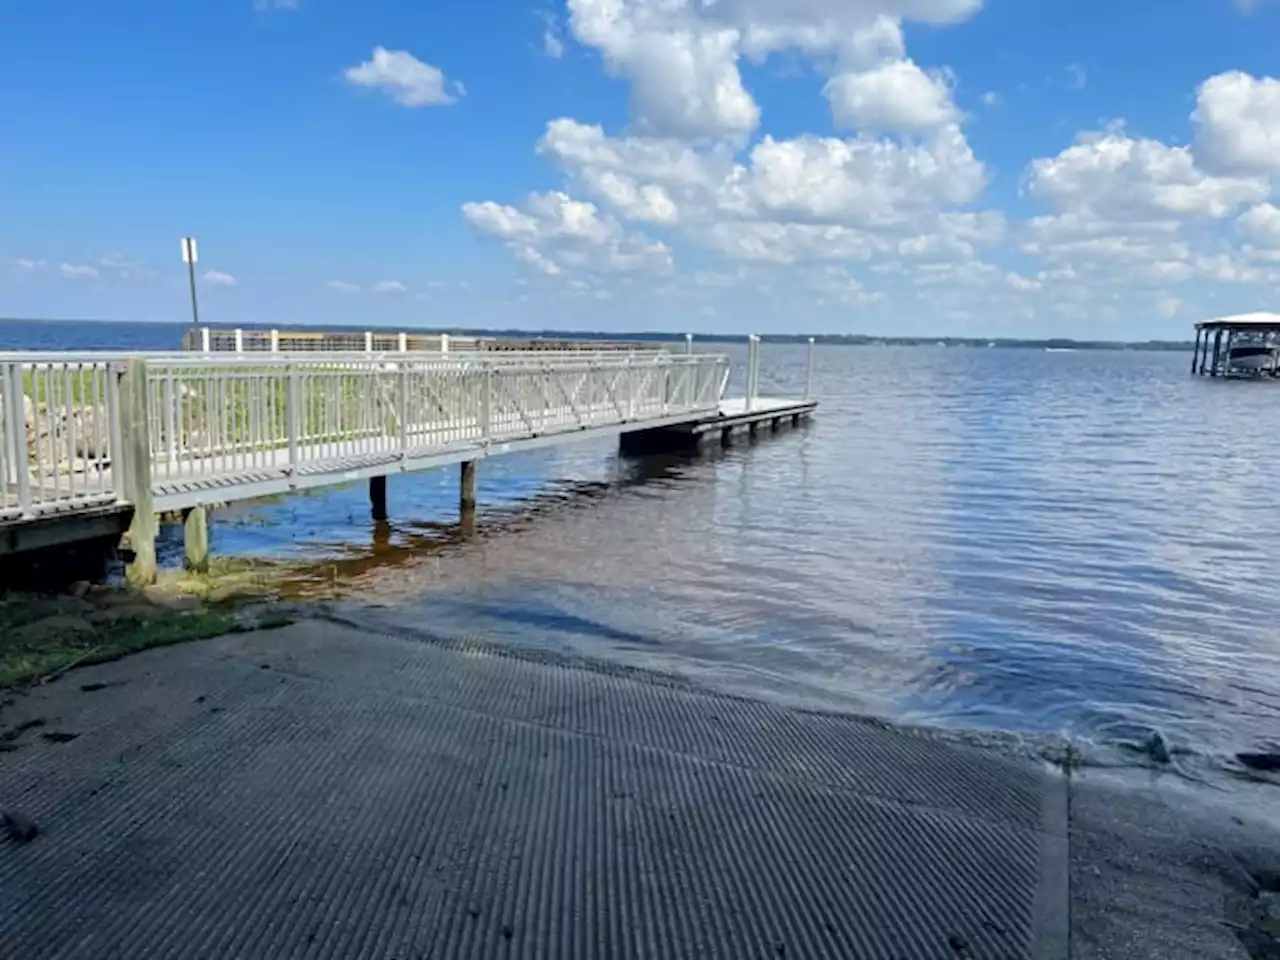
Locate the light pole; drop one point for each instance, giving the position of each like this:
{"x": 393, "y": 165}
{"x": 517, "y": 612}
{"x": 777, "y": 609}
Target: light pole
{"x": 190, "y": 254}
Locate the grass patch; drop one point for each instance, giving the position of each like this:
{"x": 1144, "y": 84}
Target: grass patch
{"x": 26, "y": 663}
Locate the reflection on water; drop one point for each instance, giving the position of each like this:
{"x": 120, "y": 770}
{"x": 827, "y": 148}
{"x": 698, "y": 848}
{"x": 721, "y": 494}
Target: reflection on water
{"x": 1013, "y": 540}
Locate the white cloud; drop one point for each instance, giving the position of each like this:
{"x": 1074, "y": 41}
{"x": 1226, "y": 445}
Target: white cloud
{"x": 341, "y": 286}
{"x": 1112, "y": 176}
{"x": 555, "y": 232}
{"x": 1022, "y": 284}
{"x": 27, "y": 265}
{"x": 405, "y": 79}
{"x": 682, "y": 56}
{"x": 390, "y": 286}
{"x": 860, "y": 181}
{"x": 1237, "y": 119}
{"x": 78, "y": 272}
{"x": 1259, "y": 228}
{"x": 219, "y": 279}
{"x": 897, "y": 96}
{"x": 552, "y": 36}
{"x": 895, "y": 198}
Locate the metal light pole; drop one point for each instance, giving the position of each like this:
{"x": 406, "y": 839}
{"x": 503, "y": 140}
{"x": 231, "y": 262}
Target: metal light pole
{"x": 191, "y": 254}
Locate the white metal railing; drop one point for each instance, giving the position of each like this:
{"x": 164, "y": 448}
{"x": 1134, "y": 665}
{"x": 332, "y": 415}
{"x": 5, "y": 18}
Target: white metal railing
{"x": 59, "y": 430}
{"x": 240, "y": 340}
{"x": 81, "y": 431}
{"x": 279, "y": 415}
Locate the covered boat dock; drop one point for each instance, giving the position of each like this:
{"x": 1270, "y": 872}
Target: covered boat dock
{"x": 1246, "y": 345}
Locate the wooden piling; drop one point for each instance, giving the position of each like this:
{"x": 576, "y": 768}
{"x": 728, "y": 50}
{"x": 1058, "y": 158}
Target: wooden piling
{"x": 378, "y": 498}
{"x": 135, "y": 424}
{"x": 467, "y": 487}
{"x": 195, "y": 540}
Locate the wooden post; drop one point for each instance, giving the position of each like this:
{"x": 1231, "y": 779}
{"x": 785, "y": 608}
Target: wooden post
{"x": 1195, "y": 356}
{"x": 378, "y": 497}
{"x": 1217, "y": 349}
{"x": 135, "y": 424}
{"x": 467, "y": 486}
{"x": 195, "y": 540}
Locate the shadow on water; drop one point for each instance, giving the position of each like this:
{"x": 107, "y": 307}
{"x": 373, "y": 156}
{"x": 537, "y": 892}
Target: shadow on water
{"x": 394, "y": 544}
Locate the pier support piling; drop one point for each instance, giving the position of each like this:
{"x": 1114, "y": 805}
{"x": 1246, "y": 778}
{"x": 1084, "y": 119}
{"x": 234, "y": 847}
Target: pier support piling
{"x": 195, "y": 540}
{"x": 378, "y": 498}
{"x": 467, "y": 487}
{"x": 135, "y": 422}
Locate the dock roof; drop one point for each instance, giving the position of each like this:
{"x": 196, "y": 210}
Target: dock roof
{"x": 1243, "y": 321}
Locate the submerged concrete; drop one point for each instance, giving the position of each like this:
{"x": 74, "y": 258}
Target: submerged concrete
{"x": 321, "y": 791}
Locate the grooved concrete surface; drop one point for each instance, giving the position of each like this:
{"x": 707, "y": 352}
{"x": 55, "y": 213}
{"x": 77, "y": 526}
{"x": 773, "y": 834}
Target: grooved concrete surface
{"x": 324, "y": 792}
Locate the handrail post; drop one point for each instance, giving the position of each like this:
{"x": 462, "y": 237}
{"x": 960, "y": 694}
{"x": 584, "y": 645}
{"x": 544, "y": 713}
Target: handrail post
{"x": 486, "y": 404}
{"x": 204, "y": 340}
{"x": 753, "y": 362}
{"x": 275, "y": 341}
{"x": 292, "y": 416}
{"x": 808, "y": 372}
{"x": 239, "y": 341}
{"x": 135, "y": 430}
{"x": 368, "y": 341}
{"x": 402, "y": 408}
{"x": 14, "y": 402}
{"x": 688, "y": 343}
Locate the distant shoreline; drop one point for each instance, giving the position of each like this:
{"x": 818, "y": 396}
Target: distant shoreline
{"x": 850, "y": 339}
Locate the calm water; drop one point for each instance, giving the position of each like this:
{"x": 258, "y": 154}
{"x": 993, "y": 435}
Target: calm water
{"x": 1078, "y": 543}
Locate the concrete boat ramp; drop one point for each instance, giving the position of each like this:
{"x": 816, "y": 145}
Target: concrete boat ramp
{"x": 325, "y": 791}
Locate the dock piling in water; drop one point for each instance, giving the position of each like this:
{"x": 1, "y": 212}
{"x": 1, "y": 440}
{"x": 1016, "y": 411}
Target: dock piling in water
{"x": 195, "y": 540}
{"x": 467, "y": 487}
{"x": 378, "y": 497}
{"x": 135, "y": 433}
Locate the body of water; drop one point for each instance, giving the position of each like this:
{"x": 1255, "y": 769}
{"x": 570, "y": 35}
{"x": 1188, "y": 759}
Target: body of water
{"x": 1078, "y": 543}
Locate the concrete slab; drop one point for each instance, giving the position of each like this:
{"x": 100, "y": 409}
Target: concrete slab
{"x": 322, "y": 791}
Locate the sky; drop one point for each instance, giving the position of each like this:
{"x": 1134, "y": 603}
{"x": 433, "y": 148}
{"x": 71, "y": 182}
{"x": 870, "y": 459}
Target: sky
{"x": 1028, "y": 168}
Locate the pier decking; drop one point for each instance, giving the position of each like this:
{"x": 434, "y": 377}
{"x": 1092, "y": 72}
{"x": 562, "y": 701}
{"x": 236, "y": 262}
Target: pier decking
{"x": 102, "y": 440}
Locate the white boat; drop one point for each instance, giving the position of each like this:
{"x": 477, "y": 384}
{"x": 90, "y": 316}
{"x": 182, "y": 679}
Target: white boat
{"x": 1254, "y": 357}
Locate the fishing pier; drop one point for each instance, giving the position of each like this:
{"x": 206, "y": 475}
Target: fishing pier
{"x": 95, "y": 445}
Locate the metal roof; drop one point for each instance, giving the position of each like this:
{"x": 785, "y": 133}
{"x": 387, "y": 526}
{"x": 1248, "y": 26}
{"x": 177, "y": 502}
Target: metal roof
{"x": 1243, "y": 321}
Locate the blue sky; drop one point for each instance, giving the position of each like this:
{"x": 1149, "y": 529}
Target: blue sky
{"x": 953, "y": 166}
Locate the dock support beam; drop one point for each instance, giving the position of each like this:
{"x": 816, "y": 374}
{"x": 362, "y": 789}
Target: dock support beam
{"x": 378, "y": 498}
{"x": 1195, "y": 356}
{"x": 135, "y": 425}
{"x": 195, "y": 540}
{"x": 467, "y": 487}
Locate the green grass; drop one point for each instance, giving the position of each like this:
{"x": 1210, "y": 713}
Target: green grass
{"x": 26, "y": 664}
